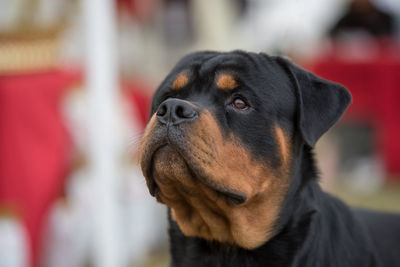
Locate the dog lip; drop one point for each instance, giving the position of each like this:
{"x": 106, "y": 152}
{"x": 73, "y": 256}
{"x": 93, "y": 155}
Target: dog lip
{"x": 232, "y": 196}
{"x": 162, "y": 139}
{"x": 151, "y": 182}
{"x": 148, "y": 170}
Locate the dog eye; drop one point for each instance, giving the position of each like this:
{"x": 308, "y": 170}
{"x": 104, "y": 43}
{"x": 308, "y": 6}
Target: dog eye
{"x": 240, "y": 103}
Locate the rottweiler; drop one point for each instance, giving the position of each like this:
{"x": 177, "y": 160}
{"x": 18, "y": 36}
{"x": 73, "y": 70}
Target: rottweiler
{"x": 228, "y": 149}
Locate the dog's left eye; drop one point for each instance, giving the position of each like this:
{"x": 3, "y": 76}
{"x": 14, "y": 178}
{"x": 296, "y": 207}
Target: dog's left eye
{"x": 240, "y": 103}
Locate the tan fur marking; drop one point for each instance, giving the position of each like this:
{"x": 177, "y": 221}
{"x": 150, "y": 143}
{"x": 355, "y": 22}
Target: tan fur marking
{"x": 226, "y": 82}
{"x": 180, "y": 81}
{"x": 282, "y": 142}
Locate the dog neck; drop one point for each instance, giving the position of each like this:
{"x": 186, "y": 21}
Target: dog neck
{"x": 294, "y": 221}
{"x": 307, "y": 220}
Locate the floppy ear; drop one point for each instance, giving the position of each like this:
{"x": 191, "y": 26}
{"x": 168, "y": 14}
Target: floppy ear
{"x": 320, "y": 103}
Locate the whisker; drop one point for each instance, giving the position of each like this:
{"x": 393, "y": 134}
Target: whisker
{"x": 134, "y": 140}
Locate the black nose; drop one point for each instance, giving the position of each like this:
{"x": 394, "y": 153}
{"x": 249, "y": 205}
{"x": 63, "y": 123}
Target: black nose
{"x": 175, "y": 111}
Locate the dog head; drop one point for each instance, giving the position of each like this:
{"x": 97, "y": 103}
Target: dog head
{"x": 224, "y": 131}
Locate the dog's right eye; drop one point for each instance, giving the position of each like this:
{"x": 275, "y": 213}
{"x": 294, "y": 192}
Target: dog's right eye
{"x": 239, "y": 103}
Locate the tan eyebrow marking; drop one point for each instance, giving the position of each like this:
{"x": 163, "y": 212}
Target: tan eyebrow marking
{"x": 226, "y": 82}
{"x": 180, "y": 81}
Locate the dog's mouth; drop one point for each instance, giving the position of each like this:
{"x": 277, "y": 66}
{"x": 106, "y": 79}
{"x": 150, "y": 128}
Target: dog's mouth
{"x": 171, "y": 171}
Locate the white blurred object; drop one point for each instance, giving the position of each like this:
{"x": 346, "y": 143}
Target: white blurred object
{"x": 50, "y": 12}
{"x": 13, "y": 243}
{"x": 367, "y": 175}
{"x": 213, "y": 24}
{"x": 69, "y": 230}
{"x": 144, "y": 220}
{"x": 288, "y": 24}
{"x": 140, "y": 221}
{"x": 391, "y": 6}
{"x": 101, "y": 69}
{"x": 10, "y": 12}
{"x": 69, "y": 237}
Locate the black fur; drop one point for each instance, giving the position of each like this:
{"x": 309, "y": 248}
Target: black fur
{"x": 314, "y": 228}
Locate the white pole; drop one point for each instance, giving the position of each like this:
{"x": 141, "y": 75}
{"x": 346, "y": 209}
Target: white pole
{"x": 102, "y": 84}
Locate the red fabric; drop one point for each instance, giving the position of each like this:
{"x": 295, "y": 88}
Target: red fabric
{"x": 375, "y": 87}
{"x": 142, "y": 10}
{"x": 138, "y": 95}
{"x": 34, "y": 146}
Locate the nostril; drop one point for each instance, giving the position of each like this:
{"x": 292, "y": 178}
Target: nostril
{"x": 162, "y": 110}
{"x": 190, "y": 113}
{"x": 180, "y": 112}
{"x": 184, "y": 112}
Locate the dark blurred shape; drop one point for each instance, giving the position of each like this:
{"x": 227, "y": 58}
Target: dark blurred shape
{"x": 357, "y": 141}
{"x": 177, "y": 22}
{"x": 242, "y": 6}
{"x": 364, "y": 16}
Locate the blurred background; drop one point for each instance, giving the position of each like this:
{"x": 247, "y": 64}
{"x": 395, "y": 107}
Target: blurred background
{"x": 76, "y": 79}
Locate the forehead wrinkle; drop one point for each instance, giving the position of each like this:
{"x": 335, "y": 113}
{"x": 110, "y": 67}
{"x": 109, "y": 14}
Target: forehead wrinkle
{"x": 209, "y": 65}
{"x": 224, "y": 61}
